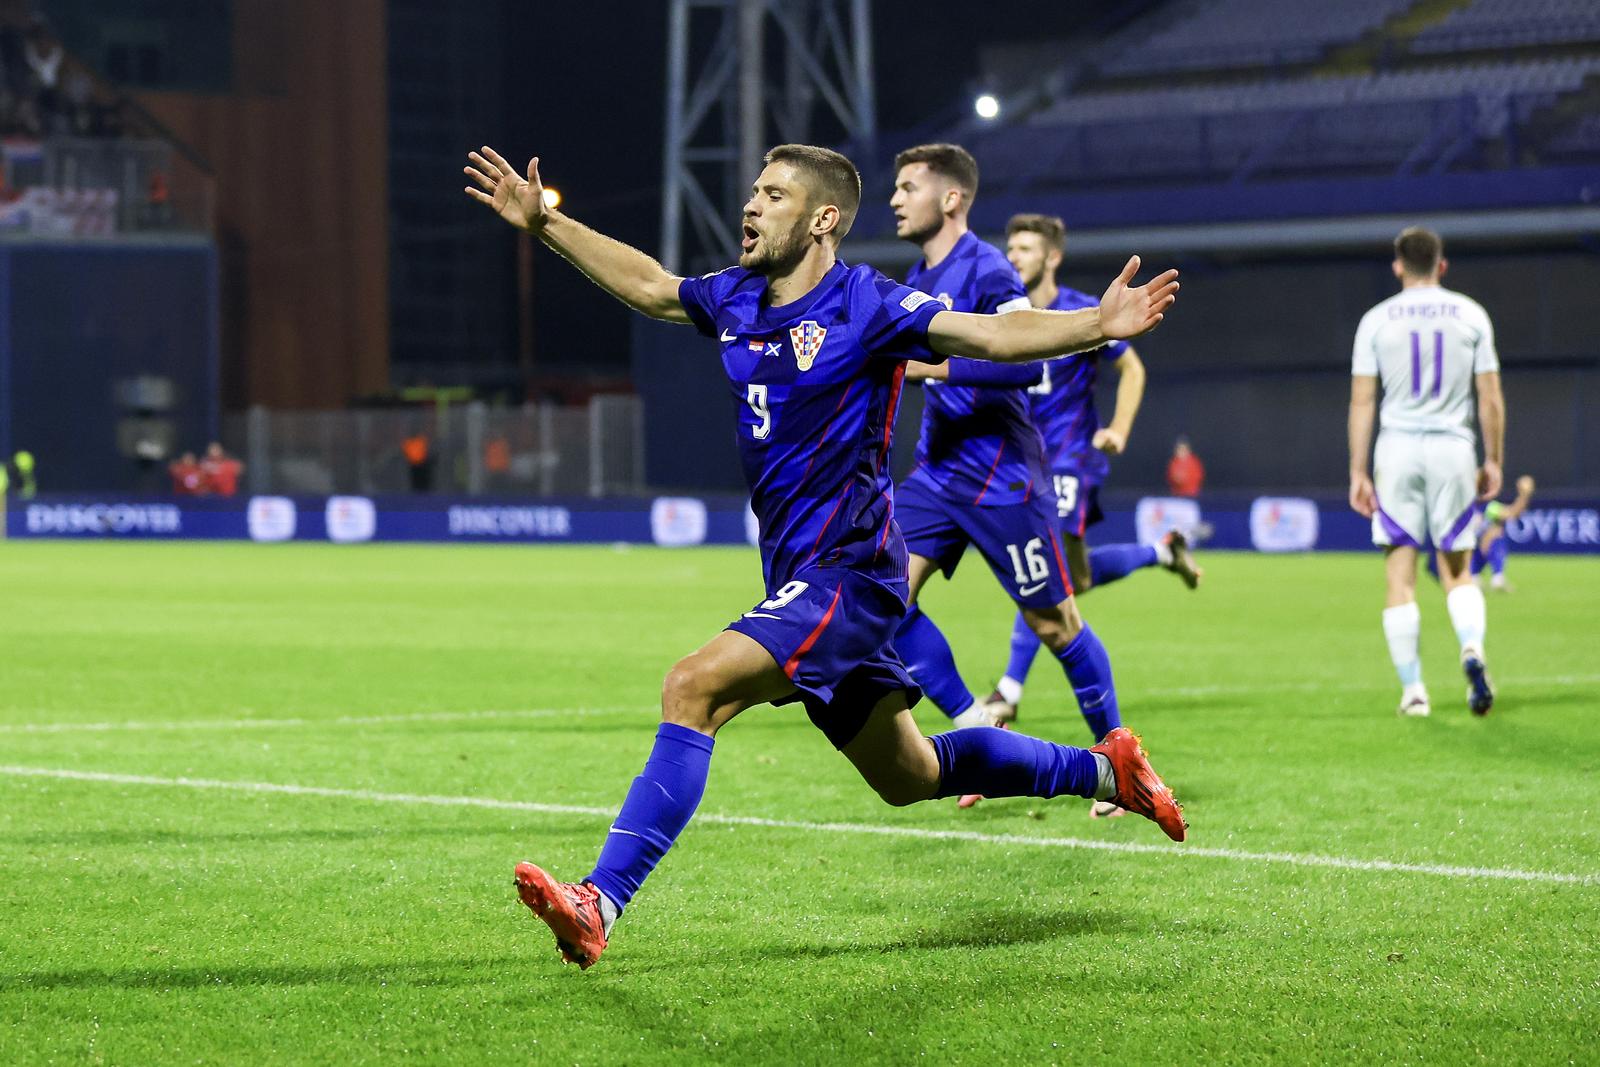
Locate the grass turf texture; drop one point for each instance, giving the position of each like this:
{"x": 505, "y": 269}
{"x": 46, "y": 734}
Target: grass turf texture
{"x": 153, "y": 924}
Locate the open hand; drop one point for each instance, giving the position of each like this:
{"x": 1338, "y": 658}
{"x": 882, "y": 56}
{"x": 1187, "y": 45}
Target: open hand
{"x": 1363, "y": 498}
{"x": 1109, "y": 441}
{"x": 517, "y": 200}
{"x": 1128, "y": 312}
{"x": 1489, "y": 480}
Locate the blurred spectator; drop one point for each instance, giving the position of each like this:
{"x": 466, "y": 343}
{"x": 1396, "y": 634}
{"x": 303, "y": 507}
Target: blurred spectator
{"x": 1185, "y": 473}
{"x": 497, "y": 459}
{"x": 419, "y": 462}
{"x": 25, "y": 483}
{"x": 44, "y": 55}
{"x": 188, "y": 479}
{"x": 220, "y": 471}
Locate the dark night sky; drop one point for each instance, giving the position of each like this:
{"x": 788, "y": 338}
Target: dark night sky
{"x": 588, "y": 100}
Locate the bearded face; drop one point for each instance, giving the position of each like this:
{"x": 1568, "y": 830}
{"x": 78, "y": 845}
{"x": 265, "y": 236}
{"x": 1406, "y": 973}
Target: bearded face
{"x": 771, "y": 246}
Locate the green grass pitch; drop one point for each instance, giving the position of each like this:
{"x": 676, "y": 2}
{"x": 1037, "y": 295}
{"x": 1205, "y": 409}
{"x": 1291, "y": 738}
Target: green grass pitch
{"x": 148, "y": 922}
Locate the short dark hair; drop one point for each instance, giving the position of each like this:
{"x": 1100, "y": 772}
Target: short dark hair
{"x": 950, "y": 160}
{"x": 1419, "y": 251}
{"x": 829, "y": 176}
{"x": 1050, "y": 227}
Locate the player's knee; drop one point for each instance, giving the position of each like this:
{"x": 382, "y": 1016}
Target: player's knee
{"x": 687, "y": 694}
{"x": 1055, "y": 627}
{"x": 901, "y": 791}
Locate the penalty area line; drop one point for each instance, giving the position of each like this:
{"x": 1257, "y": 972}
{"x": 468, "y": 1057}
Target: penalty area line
{"x": 1292, "y": 859}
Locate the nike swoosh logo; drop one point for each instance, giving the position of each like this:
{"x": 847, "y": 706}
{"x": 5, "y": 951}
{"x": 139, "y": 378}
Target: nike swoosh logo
{"x": 1029, "y": 590}
{"x": 761, "y": 615}
{"x": 726, "y": 337}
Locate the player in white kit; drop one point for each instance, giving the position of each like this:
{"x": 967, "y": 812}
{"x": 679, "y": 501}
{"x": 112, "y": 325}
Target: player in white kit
{"x": 1433, "y": 350}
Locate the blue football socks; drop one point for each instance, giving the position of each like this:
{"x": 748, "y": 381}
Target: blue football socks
{"x": 1497, "y": 554}
{"x": 927, "y": 656}
{"x": 1004, "y": 763}
{"x": 1024, "y": 647}
{"x": 658, "y": 806}
{"x": 1088, "y": 671}
{"x": 1110, "y": 562}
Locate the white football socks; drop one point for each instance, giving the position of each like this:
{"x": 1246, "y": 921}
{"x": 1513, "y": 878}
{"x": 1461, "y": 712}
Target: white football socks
{"x": 1010, "y": 690}
{"x": 1401, "y": 625}
{"x": 975, "y": 715}
{"x": 1469, "y": 616}
{"x": 1106, "y": 786}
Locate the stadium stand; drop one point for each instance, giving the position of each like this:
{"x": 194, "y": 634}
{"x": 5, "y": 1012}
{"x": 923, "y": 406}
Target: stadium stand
{"x": 1501, "y": 24}
{"x": 1237, "y": 34}
{"x": 1236, "y": 90}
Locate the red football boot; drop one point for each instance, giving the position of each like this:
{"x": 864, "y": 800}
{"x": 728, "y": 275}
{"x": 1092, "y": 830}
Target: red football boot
{"x": 572, "y": 911}
{"x": 1139, "y": 788}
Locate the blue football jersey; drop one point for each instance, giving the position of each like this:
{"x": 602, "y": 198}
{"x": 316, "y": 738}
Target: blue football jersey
{"x": 815, "y": 384}
{"x": 978, "y": 443}
{"x": 1063, "y": 402}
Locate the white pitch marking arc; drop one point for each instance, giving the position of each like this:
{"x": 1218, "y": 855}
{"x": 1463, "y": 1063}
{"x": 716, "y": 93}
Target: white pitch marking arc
{"x": 1293, "y": 859}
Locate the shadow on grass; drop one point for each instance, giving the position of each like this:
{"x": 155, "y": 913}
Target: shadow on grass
{"x": 975, "y": 931}
{"x": 458, "y": 972}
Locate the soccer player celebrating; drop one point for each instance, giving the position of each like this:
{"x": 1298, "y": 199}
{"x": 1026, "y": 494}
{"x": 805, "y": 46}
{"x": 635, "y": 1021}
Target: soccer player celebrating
{"x": 1433, "y": 349}
{"x": 815, "y": 351}
{"x": 1076, "y": 446}
{"x": 979, "y": 478}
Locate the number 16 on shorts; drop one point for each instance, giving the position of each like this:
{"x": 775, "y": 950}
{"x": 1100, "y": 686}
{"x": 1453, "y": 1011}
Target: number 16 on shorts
{"x": 1029, "y": 566}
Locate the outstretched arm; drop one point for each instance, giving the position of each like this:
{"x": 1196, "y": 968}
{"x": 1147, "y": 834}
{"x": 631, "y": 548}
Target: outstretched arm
{"x": 621, "y": 270}
{"x": 1515, "y": 509}
{"x": 976, "y": 372}
{"x": 1113, "y": 439}
{"x": 1020, "y": 336}
{"x": 1363, "y": 404}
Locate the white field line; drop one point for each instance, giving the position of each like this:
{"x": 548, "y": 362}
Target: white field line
{"x": 1132, "y": 695}
{"x": 1292, "y": 859}
{"x": 341, "y": 720}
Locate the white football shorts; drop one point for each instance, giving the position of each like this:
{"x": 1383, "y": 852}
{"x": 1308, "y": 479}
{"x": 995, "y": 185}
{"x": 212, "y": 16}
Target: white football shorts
{"x": 1427, "y": 484}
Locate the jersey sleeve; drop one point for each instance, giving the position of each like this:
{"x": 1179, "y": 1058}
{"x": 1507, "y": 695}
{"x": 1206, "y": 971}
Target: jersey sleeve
{"x": 1364, "y": 354}
{"x": 1113, "y": 351}
{"x": 701, "y": 297}
{"x": 895, "y": 319}
{"x": 984, "y": 372}
{"x": 1486, "y": 359}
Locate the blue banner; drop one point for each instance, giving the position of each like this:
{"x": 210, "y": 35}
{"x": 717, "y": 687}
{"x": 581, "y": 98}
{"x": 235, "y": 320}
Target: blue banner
{"x": 1264, "y": 523}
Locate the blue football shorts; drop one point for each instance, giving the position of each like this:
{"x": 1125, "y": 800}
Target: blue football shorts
{"x": 832, "y": 631}
{"x": 1021, "y": 542}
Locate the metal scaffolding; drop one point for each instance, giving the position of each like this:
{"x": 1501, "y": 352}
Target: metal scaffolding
{"x": 743, "y": 75}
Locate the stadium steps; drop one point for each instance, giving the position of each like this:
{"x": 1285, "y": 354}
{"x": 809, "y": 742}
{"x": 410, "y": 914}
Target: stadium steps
{"x": 1367, "y": 54}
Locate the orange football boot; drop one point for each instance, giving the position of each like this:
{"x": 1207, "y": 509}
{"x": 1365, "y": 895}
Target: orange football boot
{"x": 1139, "y": 788}
{"x": 571, "y": 910}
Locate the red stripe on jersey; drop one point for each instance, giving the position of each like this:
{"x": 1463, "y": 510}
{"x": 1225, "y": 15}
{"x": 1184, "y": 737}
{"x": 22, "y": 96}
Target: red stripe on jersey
{"x": 823, "y": 436}
{"x": 1061, "y": 563}
{"x": 887, "y": 525}
{"x": 805, "y": 646}
{"x": 894, "y": 406}
{"x": 992, "y": 468}
{"x": 816, "y": 545}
